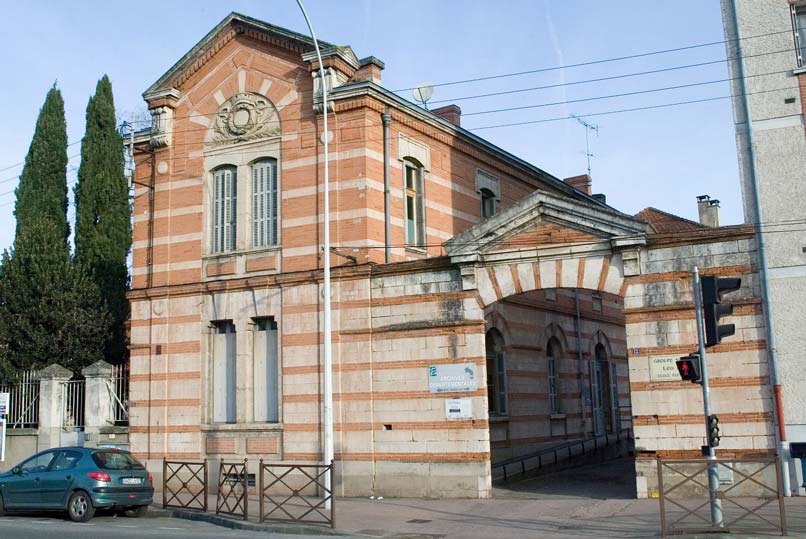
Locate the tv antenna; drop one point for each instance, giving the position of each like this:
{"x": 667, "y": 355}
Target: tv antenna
{"x": 588, "y": 128}
{"x": 423, "y": 92}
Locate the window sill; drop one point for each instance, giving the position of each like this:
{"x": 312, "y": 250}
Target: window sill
{"x": 498, "y": 418}
{"x": 799, "y": 70}
{"x": 240, "y": 427}
{"x": 417, "y": 250}
{"x": 255, "y": 250}
{"x": 555, "y": 417}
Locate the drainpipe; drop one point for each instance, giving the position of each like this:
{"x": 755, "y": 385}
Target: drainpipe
{"x": 387, "y": 119}
{"x": 783, "y": 448}
{"x": 581, "y": 361}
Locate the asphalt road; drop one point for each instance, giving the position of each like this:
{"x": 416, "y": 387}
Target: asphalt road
{"x": 55, "y": 526}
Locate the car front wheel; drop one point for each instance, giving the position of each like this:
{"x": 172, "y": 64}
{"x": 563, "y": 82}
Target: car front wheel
{"x": 79, "y": 507}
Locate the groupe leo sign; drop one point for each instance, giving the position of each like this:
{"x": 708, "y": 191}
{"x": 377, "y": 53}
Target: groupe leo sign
{"x": 459, "y": 378}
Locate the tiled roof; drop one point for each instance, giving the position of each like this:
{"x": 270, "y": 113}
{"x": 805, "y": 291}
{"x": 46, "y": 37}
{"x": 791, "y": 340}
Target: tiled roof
{"x": 665, "y": 223}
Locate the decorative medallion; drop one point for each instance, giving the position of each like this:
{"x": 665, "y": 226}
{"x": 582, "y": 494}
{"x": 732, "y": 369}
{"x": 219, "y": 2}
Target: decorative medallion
{"x": 245, "y": 116}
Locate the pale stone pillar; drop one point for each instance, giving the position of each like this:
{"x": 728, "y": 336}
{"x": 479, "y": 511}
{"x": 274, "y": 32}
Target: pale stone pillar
{"x": 50, "y": 404}
{"x": 97, "y": 398}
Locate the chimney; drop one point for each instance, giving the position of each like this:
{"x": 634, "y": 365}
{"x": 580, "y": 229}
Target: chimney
{"x": 582, "y": 182}
{"x": 370, "y": 69}
{"x": 708, "y": 210}
{"x": 452, "y": 113}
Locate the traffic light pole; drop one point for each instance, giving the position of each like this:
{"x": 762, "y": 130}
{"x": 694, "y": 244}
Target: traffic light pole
{"x": 713, "y": 477}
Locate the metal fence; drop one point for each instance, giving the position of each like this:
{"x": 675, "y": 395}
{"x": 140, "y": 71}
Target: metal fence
{"x": 296, "y": 492}
{"x": 23, "y": 406}
{"x": 184, "y": 485}
{"x": 749, "y": 496}
{"x": 233, "y": 489}
{"x": 119, "y": 392}
{"x": 72, "y": 405}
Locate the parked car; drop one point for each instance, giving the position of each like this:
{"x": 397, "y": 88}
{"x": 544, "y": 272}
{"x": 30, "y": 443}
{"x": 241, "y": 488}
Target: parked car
{"x": 79, "y": 480}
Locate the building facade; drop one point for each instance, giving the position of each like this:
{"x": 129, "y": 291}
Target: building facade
{"x": 771, "y": 39}
{"x": 505, "y": 310}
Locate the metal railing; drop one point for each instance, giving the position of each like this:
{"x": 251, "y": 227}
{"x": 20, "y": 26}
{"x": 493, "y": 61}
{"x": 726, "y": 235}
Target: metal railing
{"x": 233, "y": 489}
{"x": 23, "y": 406}
{"x": 184, "y": 485}
{"x": 551, "y": 456}
{"x": 747, "y": 503}
{"x": 297, "y": 493}
{"x": 119, "y": 392}
{"x": 72, "y": 405}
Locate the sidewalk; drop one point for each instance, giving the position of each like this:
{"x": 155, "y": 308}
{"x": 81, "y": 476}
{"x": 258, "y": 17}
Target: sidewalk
{"x": 557, "y": 505}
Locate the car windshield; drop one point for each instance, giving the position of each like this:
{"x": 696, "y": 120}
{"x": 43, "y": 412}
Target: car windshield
{"x": 112, "y": 460}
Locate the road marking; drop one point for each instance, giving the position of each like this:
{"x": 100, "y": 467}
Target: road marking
{"x": 167, "y": 528}
{"x": 124, "y": 526}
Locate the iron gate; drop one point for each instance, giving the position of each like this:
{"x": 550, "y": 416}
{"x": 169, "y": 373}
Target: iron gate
{"x": 184, "y": 485}
{"x": 749, "y": 493}
{"x": 297, "y": 492}
{"x": 233, "y": 489}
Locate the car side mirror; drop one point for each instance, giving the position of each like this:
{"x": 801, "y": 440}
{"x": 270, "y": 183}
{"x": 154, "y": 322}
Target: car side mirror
{"x": 16, "y": 470}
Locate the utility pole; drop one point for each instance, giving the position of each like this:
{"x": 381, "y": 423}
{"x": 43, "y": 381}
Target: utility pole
{"x": 328, "y": 359}
{"x": 713, "y": 477}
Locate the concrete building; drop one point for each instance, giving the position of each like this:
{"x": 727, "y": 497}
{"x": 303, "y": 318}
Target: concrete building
{"x": 506, "y": 310}
{"x": 771, "y": 39}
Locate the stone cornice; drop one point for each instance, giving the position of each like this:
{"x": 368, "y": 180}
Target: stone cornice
{"x": 705, "y": 235}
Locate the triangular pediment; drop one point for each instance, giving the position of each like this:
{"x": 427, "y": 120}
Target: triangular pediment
{"x": 544, "y": 219}
{"x": 233, "y": 24}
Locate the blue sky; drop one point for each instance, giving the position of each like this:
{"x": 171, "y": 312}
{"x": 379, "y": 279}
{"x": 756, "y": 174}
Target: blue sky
{"x": 662, "y": 158}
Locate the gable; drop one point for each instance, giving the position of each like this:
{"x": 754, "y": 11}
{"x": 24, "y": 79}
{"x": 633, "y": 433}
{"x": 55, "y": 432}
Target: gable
{"x": 232, "y": 26}
{"x": 544, "y": 233}
{"x": 543, "y": 219}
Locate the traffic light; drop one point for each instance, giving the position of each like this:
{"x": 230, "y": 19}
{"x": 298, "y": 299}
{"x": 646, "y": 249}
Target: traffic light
{"x": 689, "y": 368}
{"x": 713, "y": 430}
{"x": 713, "y": 288}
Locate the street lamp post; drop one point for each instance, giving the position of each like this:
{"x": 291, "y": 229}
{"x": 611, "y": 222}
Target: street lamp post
{"x": 328, "y": 360}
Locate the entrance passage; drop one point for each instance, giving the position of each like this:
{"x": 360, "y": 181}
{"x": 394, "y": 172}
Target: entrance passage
{"x": 557, "y": 379}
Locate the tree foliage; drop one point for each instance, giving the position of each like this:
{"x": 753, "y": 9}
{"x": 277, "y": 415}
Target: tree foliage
{"x": 103, "y": 215}
{"x": 51, "y": 311}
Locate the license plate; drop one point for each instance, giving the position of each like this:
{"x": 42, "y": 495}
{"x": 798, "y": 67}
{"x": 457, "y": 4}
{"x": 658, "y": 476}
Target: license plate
{"x": 132, "y": 481}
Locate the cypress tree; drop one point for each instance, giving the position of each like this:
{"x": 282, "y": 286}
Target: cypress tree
{"x": 103, "y": 215}
{"x": 42, "y": 191}
{"x": 49, "y": 310}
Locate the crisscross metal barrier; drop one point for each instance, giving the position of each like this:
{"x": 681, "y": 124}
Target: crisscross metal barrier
{"x": 184, "y": 484}
{"x": 749, "y": 493}
{"x": 296, "y": 492}
{"x": 233, "y": 489}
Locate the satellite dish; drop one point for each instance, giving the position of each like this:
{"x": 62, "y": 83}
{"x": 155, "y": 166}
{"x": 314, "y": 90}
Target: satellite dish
{"x": 422, "y": 93}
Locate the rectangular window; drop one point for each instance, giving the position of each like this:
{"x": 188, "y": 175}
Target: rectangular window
{"x": 224, "y": 209}
{"x": 266, "y": 369}
{"x": 415, "y": 210}
{"x": 223, "y": 385}
{"x": 264, "y": 203}
{"x": 799, "y": 26}
{"x": 554, "y": 401}
{"x": 597, "y": 301}
{"x": 496, "y": 385}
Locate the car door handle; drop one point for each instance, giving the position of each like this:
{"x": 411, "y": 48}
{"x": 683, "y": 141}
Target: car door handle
{"x": 69, "y": 477}
{"x": 36, "y": 479}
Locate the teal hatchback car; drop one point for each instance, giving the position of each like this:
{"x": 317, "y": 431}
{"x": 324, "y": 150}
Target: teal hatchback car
{"x": 79, "y": 480}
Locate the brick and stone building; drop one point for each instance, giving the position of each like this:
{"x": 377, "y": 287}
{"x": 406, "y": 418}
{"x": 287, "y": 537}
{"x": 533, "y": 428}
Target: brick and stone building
{"x": 506, "y": 310}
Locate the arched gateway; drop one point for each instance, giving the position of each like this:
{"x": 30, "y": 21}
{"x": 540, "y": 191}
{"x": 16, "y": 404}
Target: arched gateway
{"x": 548, "y": 243}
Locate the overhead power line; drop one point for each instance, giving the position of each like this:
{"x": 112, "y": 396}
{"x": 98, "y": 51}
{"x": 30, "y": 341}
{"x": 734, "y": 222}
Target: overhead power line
{"x": 596, "y": 62}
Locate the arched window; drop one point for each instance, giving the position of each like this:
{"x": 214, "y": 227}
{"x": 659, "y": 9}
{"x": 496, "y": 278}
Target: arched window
{"x": 487, "y": 203}
{"x": 264, "y": 203}
{"x": 224, "y": 209}
{"x": 496, "y": 374}
{"x": 414, "y": 206}
{"x": 553, "y": 375}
